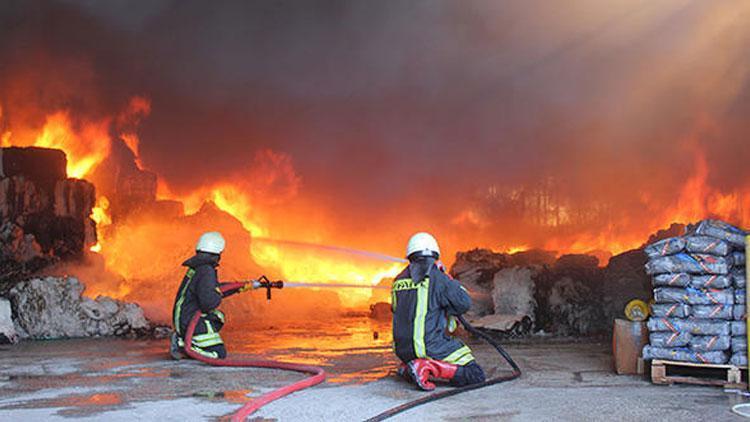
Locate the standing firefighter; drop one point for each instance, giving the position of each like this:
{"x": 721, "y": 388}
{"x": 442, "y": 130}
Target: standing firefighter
{"x": 201, "y": 291}
{"x": 424, "y": 301}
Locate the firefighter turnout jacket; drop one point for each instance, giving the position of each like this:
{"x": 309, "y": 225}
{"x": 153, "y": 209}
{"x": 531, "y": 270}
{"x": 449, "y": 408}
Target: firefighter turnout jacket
{"x": 422, "y": 310}
{"x": 199, "y": 291}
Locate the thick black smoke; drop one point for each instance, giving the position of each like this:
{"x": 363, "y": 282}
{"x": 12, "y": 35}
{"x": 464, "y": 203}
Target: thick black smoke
{"x": 463, "y": 117}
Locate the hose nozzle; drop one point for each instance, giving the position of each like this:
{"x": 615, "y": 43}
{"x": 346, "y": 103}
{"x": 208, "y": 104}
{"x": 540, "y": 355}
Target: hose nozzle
{"x": 264, "y": 283}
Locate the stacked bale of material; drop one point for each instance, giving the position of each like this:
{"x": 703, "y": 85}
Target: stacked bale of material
{"x": 695, "y": 283}
{"x": 739, "y": 325}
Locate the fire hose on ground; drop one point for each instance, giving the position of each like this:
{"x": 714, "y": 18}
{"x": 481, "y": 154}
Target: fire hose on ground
{"x": 318, "y": 375}
{"x": 516, "y": 372}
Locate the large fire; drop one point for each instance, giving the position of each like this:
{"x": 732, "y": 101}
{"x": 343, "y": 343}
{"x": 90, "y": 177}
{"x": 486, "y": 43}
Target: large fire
{"x": 90, "y": 145}
{"x": 85, "y": 147}
{"x": 156, "y": 260}
{"x": 609, "y": 124}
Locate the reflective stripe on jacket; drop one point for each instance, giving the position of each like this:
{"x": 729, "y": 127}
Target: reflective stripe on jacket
{"x": 199, "y": 291}
{"x": 421, "y": 311}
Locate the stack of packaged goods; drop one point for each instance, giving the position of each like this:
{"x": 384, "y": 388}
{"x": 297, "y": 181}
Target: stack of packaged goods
{"x": 699, "y": 296}
{"x": 739, "y": 325}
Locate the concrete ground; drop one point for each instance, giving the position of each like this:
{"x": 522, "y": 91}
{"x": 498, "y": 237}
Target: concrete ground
{"x": 112, "y": 379}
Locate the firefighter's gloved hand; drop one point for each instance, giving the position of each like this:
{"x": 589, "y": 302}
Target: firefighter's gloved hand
{"x": 250, "y": 285}
{"x": 440, "y": 266}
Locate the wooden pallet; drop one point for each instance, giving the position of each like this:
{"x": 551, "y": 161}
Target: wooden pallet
{"x": 671, "y": 372}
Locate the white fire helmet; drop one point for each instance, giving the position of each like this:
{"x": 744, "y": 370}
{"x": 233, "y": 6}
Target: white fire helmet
{"x": 211, "y": 242}
{"x": 424, "y": 243}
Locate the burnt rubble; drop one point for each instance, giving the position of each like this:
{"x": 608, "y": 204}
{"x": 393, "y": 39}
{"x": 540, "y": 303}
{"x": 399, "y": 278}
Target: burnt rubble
{"x": 53, "y": 307}
{"x": 534, "y": 291}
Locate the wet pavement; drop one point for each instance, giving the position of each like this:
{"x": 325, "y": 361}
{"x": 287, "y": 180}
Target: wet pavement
{"x": 114, "y": 379}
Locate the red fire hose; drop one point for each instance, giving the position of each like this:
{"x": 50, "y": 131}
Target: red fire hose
{"x": 318, "y": 374}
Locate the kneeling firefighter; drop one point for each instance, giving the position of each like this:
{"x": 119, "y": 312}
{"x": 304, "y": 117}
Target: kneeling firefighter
{"x": 424, "y": 300}
{"x": 201, "y": 291}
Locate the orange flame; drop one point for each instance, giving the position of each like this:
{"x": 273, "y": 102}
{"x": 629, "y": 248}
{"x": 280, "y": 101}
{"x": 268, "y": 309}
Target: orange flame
{"x": 85, "y": 148}
{"x": 88, "y": 144}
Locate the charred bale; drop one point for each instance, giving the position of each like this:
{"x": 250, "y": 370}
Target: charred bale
{"x": 44, "y": 216}
{"x": 42, "y": 166}
{"x": 513, "y": 293}
{"x": 476, "y": 269}
{"x": 568, "y": 295}
{"x": 624, "y": 280}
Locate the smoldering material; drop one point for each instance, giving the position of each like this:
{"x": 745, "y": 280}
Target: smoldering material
{"x": 673, "y": 310}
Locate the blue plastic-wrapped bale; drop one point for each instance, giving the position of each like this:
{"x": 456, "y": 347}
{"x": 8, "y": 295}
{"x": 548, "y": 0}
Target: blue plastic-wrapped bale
{"x": 710, "y": 343}
{"x": 739, "y": 344}
{"x": 722, "y": 230}
{"x": 739, "y": 278}
{"x": 665, "y": 247}
{"x": 670, "y": 310}
{"x": 668, "y": 339}
{"x": 707, "y": 245}
{"x": 738, "y": 257}
{"x": 739, "y": 359}
{"x": 706, "y": 327}
{"x": 710, "y": 297}
{"x": 689, "y": 263}
{"x": 720, "y": 311}
{"x": 739, "y": 296}
{"x": 738, "y": 328}
{"x": 740, "y": 313}
{"x": 672, "y": 280}
{"x": 684, "y": 355}
{"x": 694, "y": 296}
{"x": 670, "y": 295}
{"x": 710, "y": 281}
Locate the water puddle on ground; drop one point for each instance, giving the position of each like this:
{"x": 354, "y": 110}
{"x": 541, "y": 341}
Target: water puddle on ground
{"x": 107, "y": 373}
{"x": 353, "y": 349}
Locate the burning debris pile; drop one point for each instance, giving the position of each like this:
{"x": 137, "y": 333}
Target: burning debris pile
{"x": 44, "y": 216}
{"x": 45, "y": 222}
{"x": 699, "y": 290}
{"x": 570, "y": 295}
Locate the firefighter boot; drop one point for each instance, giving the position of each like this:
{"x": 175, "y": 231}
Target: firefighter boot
{"x": 176, "y": 347}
